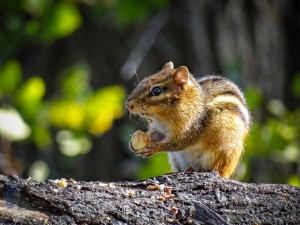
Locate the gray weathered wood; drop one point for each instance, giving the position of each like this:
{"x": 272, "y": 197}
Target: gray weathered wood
{"x": 199, "y": 198}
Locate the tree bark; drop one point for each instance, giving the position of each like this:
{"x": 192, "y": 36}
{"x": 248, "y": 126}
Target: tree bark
{"x": 243, "y": 37}
{"x": 178, "y": 198}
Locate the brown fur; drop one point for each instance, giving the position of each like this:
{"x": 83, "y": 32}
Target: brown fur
{"x": 201, "y": 124}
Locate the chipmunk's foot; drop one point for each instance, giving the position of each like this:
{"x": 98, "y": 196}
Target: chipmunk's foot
{"x": 189, "y": 170}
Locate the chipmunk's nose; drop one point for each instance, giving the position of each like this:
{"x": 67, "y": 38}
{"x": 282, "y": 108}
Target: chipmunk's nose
{"x": 129, "y": 105}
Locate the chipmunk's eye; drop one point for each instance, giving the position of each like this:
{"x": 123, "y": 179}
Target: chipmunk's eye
{"x": 156, "y": 91}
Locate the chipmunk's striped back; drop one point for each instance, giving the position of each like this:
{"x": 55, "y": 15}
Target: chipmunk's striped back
{"x": 222, "y": 93}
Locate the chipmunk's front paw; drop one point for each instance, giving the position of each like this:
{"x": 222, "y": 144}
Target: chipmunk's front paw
{"x": 148, "y": 151}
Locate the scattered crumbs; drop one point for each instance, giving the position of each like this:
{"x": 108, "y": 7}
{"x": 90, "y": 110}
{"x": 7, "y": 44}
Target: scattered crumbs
{"x": 101, "y": 184}
{"x": 166, "y": 195}
{"x": 174, "y": 210}
{"x": 131, "y": 192}
{"x": 161, "y": 198}
{"x": 144, "y": 182}
{"x": 168, "y": 189}
{"x": 62, "y": 183}
{"x": 54, "y": 190}
{"x": 55, "y": 181}
{"x": 151, "y": 187}
{"x": 171, "y": 220}
{"x": 111, "y": 185}
{"x": 189, "y": 221}
{"x": 108, "y": 218}
{"x": 136, "y": 202}
{"x": 159, "y": 187}
{"x": 71, "y": 180}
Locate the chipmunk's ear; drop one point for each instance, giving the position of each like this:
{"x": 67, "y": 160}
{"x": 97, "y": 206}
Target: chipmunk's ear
{"x": 181, "y": 75}
{"x": 168, "y": 65}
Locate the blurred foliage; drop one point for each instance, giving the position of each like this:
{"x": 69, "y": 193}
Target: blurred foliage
{"x": 44, "y": 21}
{"x": 277, "y": 140}
{"x": 79, "y": 108}
{"x": 29, "y": 21}
{"x": 254, "y": 98}
{"x": 12, "y": 125}
{"x": 10, "y": 76}
{"x": 154, "y": 166}
{"x": 75, "y": 107}
{"x": 75, "y": 112}
{"x": 131, "y": 11}
{"x": 295, "y": 89}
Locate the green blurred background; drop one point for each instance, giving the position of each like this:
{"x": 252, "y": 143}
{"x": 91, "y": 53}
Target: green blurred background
{"x": 67, "y": 66}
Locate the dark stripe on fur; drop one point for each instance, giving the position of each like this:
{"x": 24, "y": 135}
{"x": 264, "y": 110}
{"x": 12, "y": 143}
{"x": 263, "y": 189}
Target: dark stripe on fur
{"x": 236, "y": 109}
{"x": 236, "y": 94}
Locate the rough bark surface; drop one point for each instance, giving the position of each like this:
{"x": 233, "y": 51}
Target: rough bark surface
{"x": 181, "y": 198}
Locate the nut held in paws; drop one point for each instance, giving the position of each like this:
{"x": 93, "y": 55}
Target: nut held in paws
{"x": 140, "y": 140}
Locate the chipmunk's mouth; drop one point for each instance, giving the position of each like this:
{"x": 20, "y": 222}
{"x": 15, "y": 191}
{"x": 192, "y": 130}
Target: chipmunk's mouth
{"x": 142, "y": 113}
{"x": 138, "y": 110}
{"x": 146, "y": 115}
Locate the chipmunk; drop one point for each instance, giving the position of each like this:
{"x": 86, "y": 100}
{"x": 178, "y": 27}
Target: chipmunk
{"x": 201, "y": 124}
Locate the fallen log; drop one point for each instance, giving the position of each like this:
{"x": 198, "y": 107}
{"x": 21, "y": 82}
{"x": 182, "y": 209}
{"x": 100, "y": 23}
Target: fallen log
{"x": 178, "y": 198}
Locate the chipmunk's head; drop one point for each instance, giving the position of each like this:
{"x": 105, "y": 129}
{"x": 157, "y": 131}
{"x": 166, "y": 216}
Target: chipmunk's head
{"x": 158, "y": 94}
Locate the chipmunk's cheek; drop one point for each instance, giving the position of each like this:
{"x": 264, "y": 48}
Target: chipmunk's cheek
{"x": 156, "y": 110}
